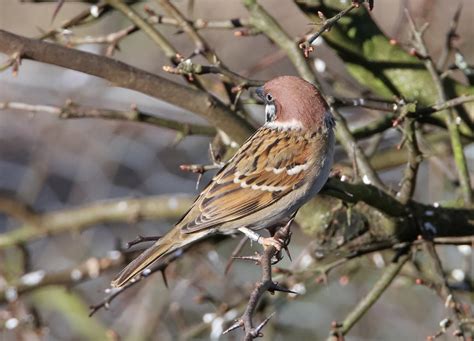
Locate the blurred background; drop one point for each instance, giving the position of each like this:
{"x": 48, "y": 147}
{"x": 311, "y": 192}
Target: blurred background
{"x": 51, "y": 164}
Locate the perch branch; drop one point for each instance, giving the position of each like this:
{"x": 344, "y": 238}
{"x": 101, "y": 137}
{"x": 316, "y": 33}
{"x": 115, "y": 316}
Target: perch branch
{"x": 265, "y": 284}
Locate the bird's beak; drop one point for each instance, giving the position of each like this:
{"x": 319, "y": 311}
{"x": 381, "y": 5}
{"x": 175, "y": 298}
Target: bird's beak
{"x": 260, "y": 92}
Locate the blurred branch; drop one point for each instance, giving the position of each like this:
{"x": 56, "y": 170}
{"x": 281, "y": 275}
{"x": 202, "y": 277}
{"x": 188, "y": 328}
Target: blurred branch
{"x": 451, "y": 37}
{"x": 77, "y": 219}
{"x": 389, "y": 274}
{"x": 112, "y": 293}
{"x": 84, "y": 17}
{"x": 71, "y": 110}
{"x": 145, "y": 26}
{"x": 73, "y": 311}
{"x": 459, "y": 157}
{"x": 89, "y": 269}
{"x": 124, "y": 75}
{"x": 445, "y": 292}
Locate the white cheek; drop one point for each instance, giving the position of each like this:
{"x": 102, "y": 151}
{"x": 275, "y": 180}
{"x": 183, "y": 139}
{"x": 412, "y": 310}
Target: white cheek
{"x": 270, "y": 112}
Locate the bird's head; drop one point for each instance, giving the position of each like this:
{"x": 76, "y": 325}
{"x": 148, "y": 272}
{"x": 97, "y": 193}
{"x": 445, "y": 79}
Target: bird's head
{"x": 293, "y": 103}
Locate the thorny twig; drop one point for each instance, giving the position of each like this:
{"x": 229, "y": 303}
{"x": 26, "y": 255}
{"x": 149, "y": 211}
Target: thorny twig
{"x": 265, "y": 284}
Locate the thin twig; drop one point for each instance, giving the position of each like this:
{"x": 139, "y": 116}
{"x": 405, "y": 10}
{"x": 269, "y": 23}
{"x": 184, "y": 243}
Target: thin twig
{"x": 451, "y": 37}
{"x": 263, "y": 21}
{"x": 355, "y": 152}
{"x": 451, "y": 120}
{"x": 120, "y": 74}
{"x": 408, "y": 181}
{"x": 444, "y": 291}
{"x": 112, "y": 293}
{"x": 325, "y": 27}
{"x": 73, "y": 111}
{"x": 187, "y": 67}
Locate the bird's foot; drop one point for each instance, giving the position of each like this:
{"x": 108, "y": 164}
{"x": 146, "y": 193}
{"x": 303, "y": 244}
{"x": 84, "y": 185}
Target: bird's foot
{"x": 278, "y": 244}
{"x": 266, "y": 242}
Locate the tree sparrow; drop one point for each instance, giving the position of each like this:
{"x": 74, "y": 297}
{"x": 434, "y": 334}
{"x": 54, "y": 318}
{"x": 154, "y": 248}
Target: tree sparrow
{"x": 278, "y": 169}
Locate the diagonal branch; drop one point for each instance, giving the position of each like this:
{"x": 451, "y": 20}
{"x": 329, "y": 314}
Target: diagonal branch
{"x": 389, "y": 274}
{"x": 126, "y": 76}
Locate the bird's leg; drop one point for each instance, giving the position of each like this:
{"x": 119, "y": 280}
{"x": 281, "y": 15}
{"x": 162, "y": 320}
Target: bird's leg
{"x": 264, "y": 241}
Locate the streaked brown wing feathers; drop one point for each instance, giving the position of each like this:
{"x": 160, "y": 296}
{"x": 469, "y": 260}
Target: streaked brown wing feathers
{"x": 252, "y": 180}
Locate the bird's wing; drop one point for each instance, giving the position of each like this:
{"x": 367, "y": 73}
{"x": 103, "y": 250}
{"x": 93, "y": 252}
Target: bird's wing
{"x": 268, "y": 166}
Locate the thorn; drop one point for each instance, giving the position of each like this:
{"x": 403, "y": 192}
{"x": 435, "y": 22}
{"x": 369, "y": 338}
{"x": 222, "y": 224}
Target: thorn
{"x": 276, "y": 287}
{"x": 259, "y": 328}
{"x": 165, "y": 280}
{"x": 237, "y": 324}
{"x": 141, "y": 239}
{"x": 287, "y": 252}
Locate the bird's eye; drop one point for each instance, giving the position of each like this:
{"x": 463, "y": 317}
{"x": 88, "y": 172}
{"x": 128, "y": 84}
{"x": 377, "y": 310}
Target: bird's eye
{"x": 269, "y": 98}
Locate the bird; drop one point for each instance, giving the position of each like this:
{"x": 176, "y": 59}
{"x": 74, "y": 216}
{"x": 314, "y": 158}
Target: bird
{"x": 279, "y": 168}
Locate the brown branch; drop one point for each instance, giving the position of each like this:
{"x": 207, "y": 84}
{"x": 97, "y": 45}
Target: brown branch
{"x": 71, "y": 110}
{"x": 126, "y": 76}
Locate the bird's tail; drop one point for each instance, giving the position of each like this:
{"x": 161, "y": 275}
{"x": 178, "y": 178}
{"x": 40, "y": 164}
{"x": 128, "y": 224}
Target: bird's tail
{"x": 170, "y": 242}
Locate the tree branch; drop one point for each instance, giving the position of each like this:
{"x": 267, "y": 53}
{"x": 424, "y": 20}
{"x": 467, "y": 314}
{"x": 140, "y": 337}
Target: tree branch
{"x": 126, "y": 76}
{"x": 71, "y": 110}
{"x": 459, "y": 157}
